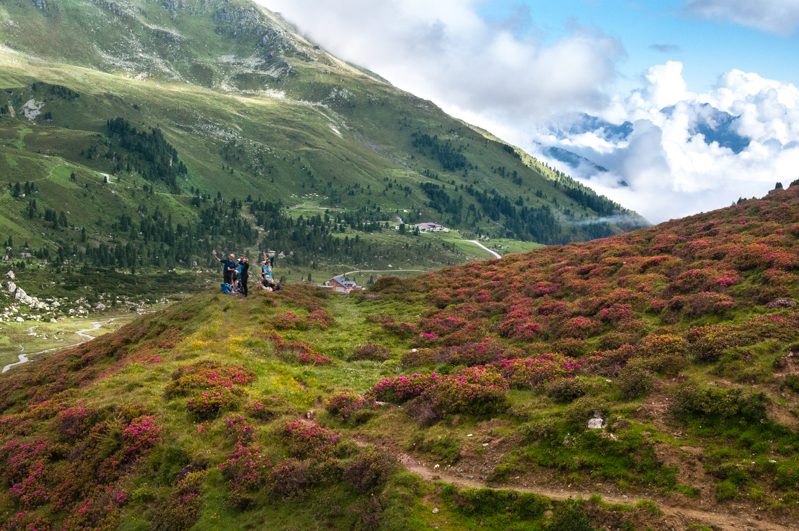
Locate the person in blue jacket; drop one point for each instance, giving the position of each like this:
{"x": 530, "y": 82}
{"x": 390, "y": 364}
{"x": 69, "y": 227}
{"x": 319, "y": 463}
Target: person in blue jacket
{"x": 229, "y": 267}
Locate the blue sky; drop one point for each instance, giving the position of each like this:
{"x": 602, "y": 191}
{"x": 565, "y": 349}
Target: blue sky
{"x": 707, "y": 48}
{"x": 714, "y": 112}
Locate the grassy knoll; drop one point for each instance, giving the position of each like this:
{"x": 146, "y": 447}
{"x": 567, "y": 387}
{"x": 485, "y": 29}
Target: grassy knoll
{"x": 655, "y": 369}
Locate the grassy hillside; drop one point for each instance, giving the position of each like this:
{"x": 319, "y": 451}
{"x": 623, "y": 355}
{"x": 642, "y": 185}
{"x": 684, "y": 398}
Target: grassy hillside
{"x": 457, "y": 399}
{"x": 180, "y": 115}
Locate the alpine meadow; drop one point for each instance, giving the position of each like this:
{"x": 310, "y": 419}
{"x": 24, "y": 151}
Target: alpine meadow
{"x": 525, "y": 353}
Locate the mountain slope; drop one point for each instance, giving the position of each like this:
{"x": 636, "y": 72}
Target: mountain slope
{"x": 244, "y": 107}
{"x": 674, "y": 346}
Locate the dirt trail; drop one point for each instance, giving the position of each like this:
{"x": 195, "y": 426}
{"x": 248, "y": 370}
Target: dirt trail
{"x": 677, "y": 517}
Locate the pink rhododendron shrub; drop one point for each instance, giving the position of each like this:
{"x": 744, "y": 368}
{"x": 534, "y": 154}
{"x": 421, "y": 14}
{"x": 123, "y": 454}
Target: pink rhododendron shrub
{"x": 308, "y": 440}
{"x": 247, "y": 470}
{"x": 524, "y": 373}
{"x": 344, "y": 405}
{"x": 210, "y": 404}
{"x": 238, "y": 430}
{"x": 287, "y": 321}
{"x": 403, "y": 330}
{"x": 207, "y": 375}
{"x": 399, "y": 389}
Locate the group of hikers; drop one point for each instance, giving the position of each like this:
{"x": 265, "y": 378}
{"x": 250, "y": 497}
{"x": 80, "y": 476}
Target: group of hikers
{"x": 236, "y": 274}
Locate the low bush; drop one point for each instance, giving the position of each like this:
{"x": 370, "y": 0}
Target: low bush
{"x": 209, "y": 405}
{"x": 370, "y": 469}
{"x": 635, "y": 380}
{"x": 402, "y": 330}
{"x": 571, "y": 517}
{"x": 181, "y": 509}
{"x": 267, "y": 408}
{"x": 206, "y": 375}
{"x": 292, "y": 477}
{"x": 370, "y": 353}
{"x": 566, "y": 389}
{"x": 344, "y": 405}
{"x": 446, "y": 448}
{"x": 584, "y": 408}
{"x": 288, "y": 321}
{"x": 399, "y": 389}
{"x": 308, "y": 440}
{"x": 237, "y": 430}
{"x": 541, "y": 429}
{"x": 247, "y": 471}
{"x": 418, "y": 358}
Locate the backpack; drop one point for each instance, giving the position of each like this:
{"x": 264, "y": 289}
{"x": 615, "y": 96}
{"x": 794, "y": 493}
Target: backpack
{"x": 227, "y": 289}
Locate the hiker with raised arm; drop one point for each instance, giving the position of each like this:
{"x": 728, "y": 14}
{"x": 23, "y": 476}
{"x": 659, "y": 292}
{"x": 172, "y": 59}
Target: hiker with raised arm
{"x": 229, "y": 266}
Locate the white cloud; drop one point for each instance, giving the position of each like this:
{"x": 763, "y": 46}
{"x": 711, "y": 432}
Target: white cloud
{"x": 671, "y": 167}
{"x": 446, "y": 52}
{"x": 775, "y": 16}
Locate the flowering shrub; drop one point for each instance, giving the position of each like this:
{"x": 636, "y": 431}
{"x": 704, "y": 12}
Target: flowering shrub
{"x": 566, "y": 389}
{"x": 207, "y": 376}
{"x": 399, "y": 389}
{"x": 313, "y": 358}
{"x": 580, "y": 327}
{"x": 344, "y": 405}
{"x": 210, "y": 404}
{"x": 287, "y": 321}
{"x": 182, "y": 508}
{"x": 140, "y": 436}
{"x": 247, "y": 471}
{"x": 237, "y": 430}
{"x": 74, "y": 423}
{"x": 308, "y": 440}
{"x": 459, "y": 394}
{"x": 26, "y": 521}
{"x": 471, "y": 354}
{"x": 403, "y": 330}
{"x": 38, "y": 472}
{"x": 319, "y": 319}
{"x": 523, "y": 373}
{"x": 273, "y": 406}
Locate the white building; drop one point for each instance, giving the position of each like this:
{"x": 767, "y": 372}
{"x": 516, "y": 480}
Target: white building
{"x": 431, "y": 227}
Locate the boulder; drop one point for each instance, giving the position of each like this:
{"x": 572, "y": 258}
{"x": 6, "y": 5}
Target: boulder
{"x": 596, "y": 423}
{"x": 10, "y": 275}
{"x": 781, "y": 303}
{"x": 11, "y": 287}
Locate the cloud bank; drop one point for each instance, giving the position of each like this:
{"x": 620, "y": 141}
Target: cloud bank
{"x": 775, "y": 16}
{"x": 446, "y": 52}
{"x": 672, "y": 153}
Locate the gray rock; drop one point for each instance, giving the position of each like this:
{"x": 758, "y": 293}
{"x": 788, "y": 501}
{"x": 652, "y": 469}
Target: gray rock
{"x": 10, "y": 275}
{"x": 11, "y": 287}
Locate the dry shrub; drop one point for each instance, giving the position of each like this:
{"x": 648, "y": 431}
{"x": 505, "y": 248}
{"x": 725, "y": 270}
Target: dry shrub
{"x": 635, "y": 379}
{"x": 370, "y": 352}
{"x": 370, "y": 470}
{"x": 418, "y": 357}
{"x": 566, "y": 389}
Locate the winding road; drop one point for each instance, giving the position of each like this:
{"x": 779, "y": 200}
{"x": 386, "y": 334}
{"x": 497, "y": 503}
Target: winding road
{"x": 484, "y": 247}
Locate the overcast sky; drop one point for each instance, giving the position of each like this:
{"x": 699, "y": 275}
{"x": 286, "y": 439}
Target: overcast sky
{"x": 530, "y": 70}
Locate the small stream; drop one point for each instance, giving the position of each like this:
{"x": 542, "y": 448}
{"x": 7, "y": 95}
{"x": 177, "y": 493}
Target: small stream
{"x": 23, "y": 358}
